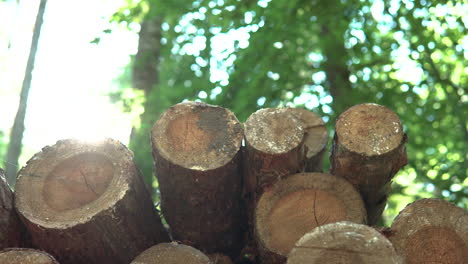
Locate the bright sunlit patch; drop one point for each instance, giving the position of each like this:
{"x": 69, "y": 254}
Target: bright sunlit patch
{"x": 71, "y": 78}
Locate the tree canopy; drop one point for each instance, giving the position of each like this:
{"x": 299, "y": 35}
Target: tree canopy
{"x": 411, "y": 56}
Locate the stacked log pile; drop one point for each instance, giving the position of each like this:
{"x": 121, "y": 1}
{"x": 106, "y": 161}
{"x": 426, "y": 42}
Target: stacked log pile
{"x": 230, "y": 193}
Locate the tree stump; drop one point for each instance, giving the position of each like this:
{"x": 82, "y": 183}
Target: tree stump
{"x": 26, "y": 256}
{"x": 274, "y": 147}
{"x": 87, "y": 203}
{"x": 11, "y": 229}
{"x": 431, "y": 231}
{"x": 298, "y": 204}
{"x": 368, "y": 150}
{"x": 171, "y": 253}
{"x": 316, "y": 138}
{"x": 343, "y": 242}
{"x": 196, "y": 149}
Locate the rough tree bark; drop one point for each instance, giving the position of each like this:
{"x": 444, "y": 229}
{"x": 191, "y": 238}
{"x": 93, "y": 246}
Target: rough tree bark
{"x": 279, "y": 142}
{"x": 431, "y": 231}
{"x": 368, "y": 150}
{"x": 196, "y": 149}
{"x": 16, "y": 133}
{"x": 274, "y": 148}
{"x": 343, "y": 242}
{"x": 298, "y": 204}
{"x": 26, "y": 256}
{"x": 87, "y": 203}
{"x": 11, "y": 229}
{"x": 171, "y": 253}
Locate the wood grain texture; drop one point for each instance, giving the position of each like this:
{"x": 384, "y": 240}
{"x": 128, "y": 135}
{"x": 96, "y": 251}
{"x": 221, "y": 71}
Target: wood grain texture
{"x": 87, "y": 203}
{"x": 431, "y": 231}
{"x": 343, "y": 242}
{"x": 297, "y": 205}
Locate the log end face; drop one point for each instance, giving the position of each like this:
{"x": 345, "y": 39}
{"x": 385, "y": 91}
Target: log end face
{"x": 25, "y": 256}
{"x": 171, "y": 253}
{"x": 343, "y": 242}
{"x": 431, "y": 231}
{"x": 299, "y": 204}
{"x": 274, "y": 131}
{"x": 77, "y": 181}
{"x": 298, "y": 213}
{"x": 197, "y": 136}
{"x": 369, "y": 129}
{"x": 316, "y": 137}
{"x": 70, "y": 182}
{"x": 436, "y": 245}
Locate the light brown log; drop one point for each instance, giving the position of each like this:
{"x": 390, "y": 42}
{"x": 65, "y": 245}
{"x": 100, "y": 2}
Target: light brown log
{"x": 274, "y": 139}
{"x": 279, "y": 142}
{"x": 87, "y": 203}
{"x": 25, "y": 256}
{"x": 11, "y": 229}
{"x": 171, "y": 253}
{"x": 343, "y": 242}
{"x": 431, "y": 231}
{"x": 298, "y": 204}
{"x": 368, "y": 150}
{"x": 196, "y": 149}
{"x": 316, "y": 138}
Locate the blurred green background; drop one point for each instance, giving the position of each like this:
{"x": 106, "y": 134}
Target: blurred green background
{"x": 411, "y": 56}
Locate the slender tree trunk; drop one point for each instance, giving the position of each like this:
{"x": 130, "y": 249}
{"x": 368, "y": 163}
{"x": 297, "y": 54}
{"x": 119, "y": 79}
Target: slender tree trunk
{"x": 333, "y": 48}
{"x": 145, "y": 77}
{"x": 16, "y": 134}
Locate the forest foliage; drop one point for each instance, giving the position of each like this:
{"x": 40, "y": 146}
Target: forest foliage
{"x": 411, "y": 56}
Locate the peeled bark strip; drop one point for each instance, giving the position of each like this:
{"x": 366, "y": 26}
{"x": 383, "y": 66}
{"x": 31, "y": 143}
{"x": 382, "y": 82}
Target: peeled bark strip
{"x": 26, "y": 256}
{"x": 274, "y": 147}
{"x": 343, "y": 242}
{"x": 171, "y": 253}
{"x": 298, "y": 204}
{"x": 86, "y": 203}
{"x": 368, "y": 150}
{"x": 11, "y": 229}
{"x": 316, "y": 138}
{"x": 196, "y": 149}
{"x": 431, "y": 231}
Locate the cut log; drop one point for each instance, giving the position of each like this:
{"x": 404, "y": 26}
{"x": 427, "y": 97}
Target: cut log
{"x": 298, "y": 204}
{"x": 11, "y": 229}
{"x": 171, "y": 253}
{"x": 274, "y": 148}
{"x": 368, "y": 150}
{"x": 343, "y": 242}
{"x": 26, "y": 256}
{"x": 431, "y": 231}
{"x": 196, "y": 149}
{"x": 316, "y": 138}
{"x": 87, "y": 203}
